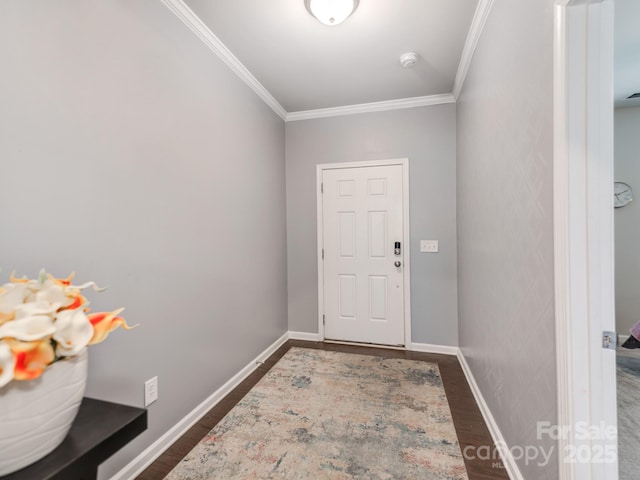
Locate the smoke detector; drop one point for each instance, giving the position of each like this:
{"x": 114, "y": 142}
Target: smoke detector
{"x": 408, "y": 60}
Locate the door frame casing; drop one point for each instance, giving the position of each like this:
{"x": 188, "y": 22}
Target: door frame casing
{"x": 583, "y": 230}
{"x": 406, "y": 271}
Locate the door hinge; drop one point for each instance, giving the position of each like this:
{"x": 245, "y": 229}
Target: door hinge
{"x": 322, "y": 187}
{"x": 322, "y": 319}
{"x": 323, "y": 253}
{"x": 609, "y": 340}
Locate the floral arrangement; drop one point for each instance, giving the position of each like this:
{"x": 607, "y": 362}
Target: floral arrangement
{"x": 45, "y": 320}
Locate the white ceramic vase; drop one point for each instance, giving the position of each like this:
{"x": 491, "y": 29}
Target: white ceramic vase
{"x": 36, "y": 415}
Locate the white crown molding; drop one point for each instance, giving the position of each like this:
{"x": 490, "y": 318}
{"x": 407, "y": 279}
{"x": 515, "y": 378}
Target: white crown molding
{"x": 475, "y": 31}
{"x": 371, "y": 107}
{"x": 197, "y": 26}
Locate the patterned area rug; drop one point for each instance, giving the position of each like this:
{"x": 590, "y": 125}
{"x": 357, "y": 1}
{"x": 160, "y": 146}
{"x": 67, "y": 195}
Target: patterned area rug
{"x": 628, "y": 414}
{"x": 332, "y": 415}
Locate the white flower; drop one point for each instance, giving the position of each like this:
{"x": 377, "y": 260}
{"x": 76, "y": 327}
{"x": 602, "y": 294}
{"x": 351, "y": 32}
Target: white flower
{"x": 28, "y": 329}
{"x": 73, "y": 332}
{"x": 44, "y": 318}
{"x": 12, "y": 295}
{"x": 93, "y": 285}
{"x": 7, "y": 364}
{"x": 35, "y": 308}
{"x": 52, "y": 294}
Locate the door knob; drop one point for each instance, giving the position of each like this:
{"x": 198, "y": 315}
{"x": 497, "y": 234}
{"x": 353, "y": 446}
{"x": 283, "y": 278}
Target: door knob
{"x": 397, "y": 263}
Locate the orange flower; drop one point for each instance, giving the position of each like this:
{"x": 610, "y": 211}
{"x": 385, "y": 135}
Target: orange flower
{"x": 69, "y": 291}
{"x": 104, "y": 323}
{"x": 62, "y": 281}
{"x": 31, "y": 358}
{"x": 13, "y": 279}
{"x": 44, "y": 319}
{"x": 78, "y": 300}
{"x": 7, "y": 363}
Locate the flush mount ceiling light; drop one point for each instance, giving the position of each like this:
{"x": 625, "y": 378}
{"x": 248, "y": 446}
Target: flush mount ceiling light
{"x": 331, "y": 12}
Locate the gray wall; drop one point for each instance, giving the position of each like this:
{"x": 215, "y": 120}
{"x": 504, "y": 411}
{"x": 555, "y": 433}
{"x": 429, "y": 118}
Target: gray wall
{"x": 505, "y": 222}
{"x": 130, "y": 154}
{"x": 627, "y": 219}
{"x": 426, "y": 135}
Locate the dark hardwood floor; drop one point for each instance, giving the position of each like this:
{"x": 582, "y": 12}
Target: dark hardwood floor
{"x": 470, "y": 427}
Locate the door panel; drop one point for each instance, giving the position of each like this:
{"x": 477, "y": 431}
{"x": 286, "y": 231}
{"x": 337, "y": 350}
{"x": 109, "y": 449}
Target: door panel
{"x": 378, "y": 297}
{"x": 347, "y": 233}
{"x": 378, "y": 234}
{"x": 363, "y": 289}
{"x": 347, "y": 296}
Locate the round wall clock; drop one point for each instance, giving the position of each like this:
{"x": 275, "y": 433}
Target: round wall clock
{"x": 622, "y": 194}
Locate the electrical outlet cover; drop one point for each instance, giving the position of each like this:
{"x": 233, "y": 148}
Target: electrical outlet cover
{"x": 150, "y": 391}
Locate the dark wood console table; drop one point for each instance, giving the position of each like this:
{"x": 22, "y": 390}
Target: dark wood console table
{"x": 100, "y": 429}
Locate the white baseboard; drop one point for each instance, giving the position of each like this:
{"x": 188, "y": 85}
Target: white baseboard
{"x": 429, "y": 348}
{"x": 507, "y": 458}
{"x": 146, "y": 458}
{"x": 310, "y": 337}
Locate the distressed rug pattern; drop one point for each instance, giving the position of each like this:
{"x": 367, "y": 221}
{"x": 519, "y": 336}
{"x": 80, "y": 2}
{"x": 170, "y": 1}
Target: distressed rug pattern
{"x": 330, "y": 415}
{"x": 628, "y": 413}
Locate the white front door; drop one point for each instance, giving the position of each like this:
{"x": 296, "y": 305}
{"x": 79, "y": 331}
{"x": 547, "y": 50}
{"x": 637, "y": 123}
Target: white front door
{"x": 362, "y": 215}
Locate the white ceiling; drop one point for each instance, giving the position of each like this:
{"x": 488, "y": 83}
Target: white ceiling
{"x": 627, "y": 52}
{"x": 306, "y": 65}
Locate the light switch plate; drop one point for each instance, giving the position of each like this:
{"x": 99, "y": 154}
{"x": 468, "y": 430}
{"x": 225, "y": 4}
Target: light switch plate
{"x": 429, "y": 246}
